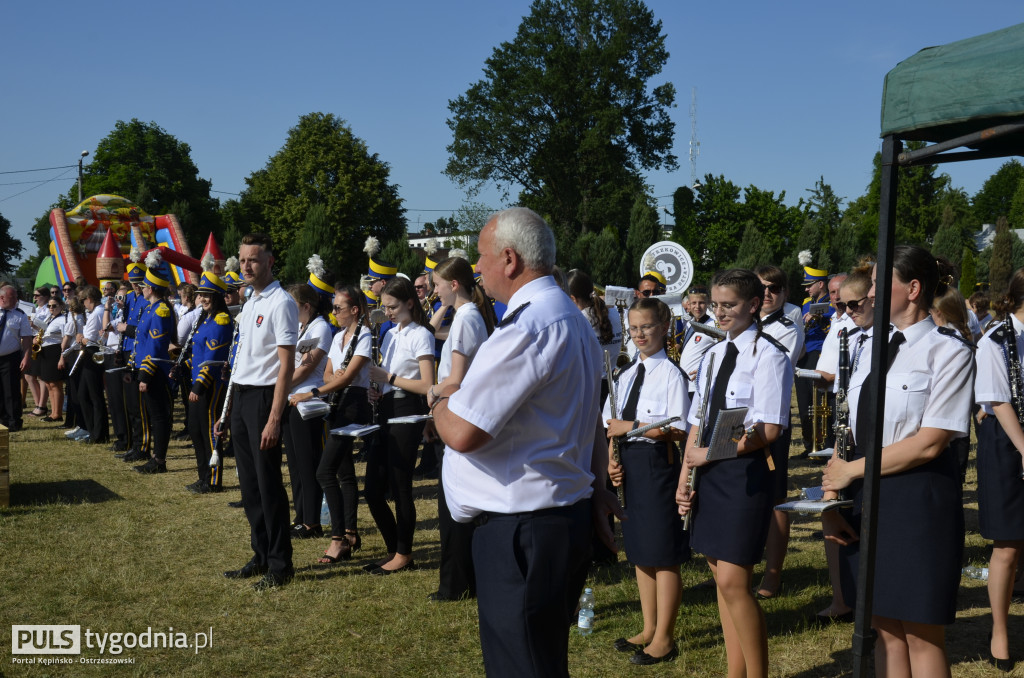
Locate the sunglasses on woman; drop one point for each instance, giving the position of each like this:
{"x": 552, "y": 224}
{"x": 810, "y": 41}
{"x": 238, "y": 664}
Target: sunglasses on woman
{"x": 854, "y": 304}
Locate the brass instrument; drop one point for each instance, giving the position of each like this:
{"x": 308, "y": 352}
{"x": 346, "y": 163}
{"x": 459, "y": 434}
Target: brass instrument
{"x": 428, "y": 305}
{"x": 819, "y": 412}
{"x": 671, "y": 345}
{"x": 613, "y": 408}
{"x": 37, "y": 342}
{"x": 705, "y": 408}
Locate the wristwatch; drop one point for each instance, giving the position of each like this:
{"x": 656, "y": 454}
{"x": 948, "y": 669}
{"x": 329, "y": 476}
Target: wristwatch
{"x": 316, "y": 392}
{"x": 391, "y": 379}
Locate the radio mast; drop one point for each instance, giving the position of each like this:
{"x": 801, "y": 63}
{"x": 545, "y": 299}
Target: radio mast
{"x": 694, "y": 144}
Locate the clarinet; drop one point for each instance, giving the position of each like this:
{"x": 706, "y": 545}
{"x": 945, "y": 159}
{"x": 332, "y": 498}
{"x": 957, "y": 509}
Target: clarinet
{"x": 705, "y": 407}
{"x": 842, "y": 426}
{"x": 335, "y": 397}
{"x": 1013, "y": 370}
{"x": 377, "y": 317}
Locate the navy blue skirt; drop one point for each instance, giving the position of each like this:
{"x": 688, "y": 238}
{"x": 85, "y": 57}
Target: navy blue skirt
{"x": 1000, "y": 488}
{"x": 653, "y": 532}
{"x": 733, "y": 509}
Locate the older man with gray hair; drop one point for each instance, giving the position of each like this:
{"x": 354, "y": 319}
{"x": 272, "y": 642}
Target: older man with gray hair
{"x": 524, "y": 459}
{"x": 16, "y": 334}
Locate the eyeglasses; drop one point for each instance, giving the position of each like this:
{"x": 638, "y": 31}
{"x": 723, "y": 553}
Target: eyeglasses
{"x": 854, "y": 304}
{"x": 723, "y": 306}
{"x": 772, "y": 288}
{"x": 647, "y": 293}
{"x": 420, "y": 287}
{"x": 339, "y": 309}
{"x": 37, "y": 295}
{"x": 52, "y": 306}
{"x": 643, "y": 329}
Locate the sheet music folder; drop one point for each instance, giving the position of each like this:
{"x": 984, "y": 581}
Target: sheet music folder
{"x": 726, "y": 434}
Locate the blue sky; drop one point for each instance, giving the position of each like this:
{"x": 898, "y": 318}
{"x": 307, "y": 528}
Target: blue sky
{"x": 787, "y": 92}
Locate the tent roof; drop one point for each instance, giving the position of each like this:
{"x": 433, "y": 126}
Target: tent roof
{"x": 958, "y": 89}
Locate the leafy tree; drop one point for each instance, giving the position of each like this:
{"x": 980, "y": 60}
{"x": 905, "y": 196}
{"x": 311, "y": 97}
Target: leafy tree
{"x": 968, "y": 272}
{"x": 1017, "y": 207}
{"x": 1000, "y": 267}
{"x": 847, "y": 248}
{"x": 323, "y": 162}
{"x": 603, "y": 258}
{"x": 684, "y": 229}
{"x": 236, "y": 223}
{"x": 398, "y": 253}
{"x": 644, "y": 231}
{"x": 775, "y": 221}
{"x": 981, "y": 263}
{"x": 720, "y": 221}
{"x": 315, "y": 238}
{"x": 995, "y": 198}
{"x": 755, "y": 249}
{"x": 10, "y": 248}
{"x": 150, "y": 167}
{"x": 567, "y": 111}
{"x": 949, "y": 241}
{"x": 1017, "y": 255}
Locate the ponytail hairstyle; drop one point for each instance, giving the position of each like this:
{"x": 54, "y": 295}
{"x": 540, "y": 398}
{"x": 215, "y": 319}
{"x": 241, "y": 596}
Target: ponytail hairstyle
{"x": 355, "y": 298}
{"x": 1012, "y": 300}
{"x": 953, "y": 309}
{"x": 402, "y": 289}
{"x": 661, "y": 311}
{"x": 582, "y": 287}
{"x": 911, "y": 262}
{"x": 457, "y": 269}
{"x": 748, "y": 286}
{"x": 304, "y": 294}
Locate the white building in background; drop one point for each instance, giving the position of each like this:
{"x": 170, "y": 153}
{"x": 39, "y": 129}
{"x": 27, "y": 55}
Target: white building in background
{"x": 418, "y": 241}
{"x": 987, "y": 234}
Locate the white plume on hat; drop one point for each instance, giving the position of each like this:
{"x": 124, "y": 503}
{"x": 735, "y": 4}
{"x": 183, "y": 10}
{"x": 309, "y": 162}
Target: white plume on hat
{"x": 207, "y": 262}
{"x": 804, "y": 257}
{"x": 402, "y": 275}
{"x": 315, "y": 265}
{"x": 459, "y": 252}
{"x": 134, "y": 254}
{"x": 372, "y": 246}
{"x": 650, "y": 262}
{"x": 431, "y": 246}
{"x": 365, "y": 282}
{"x": 231, "y": 265}
{"x": 153, "y": 259}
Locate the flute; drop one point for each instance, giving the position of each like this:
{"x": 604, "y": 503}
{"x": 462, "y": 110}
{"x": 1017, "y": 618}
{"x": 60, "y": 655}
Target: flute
{"x": 705, "y": 406}
{"x": 613, "y": 408}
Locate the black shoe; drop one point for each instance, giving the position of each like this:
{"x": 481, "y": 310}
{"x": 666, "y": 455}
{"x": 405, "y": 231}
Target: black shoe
{"x": 235, "y": 504}
{"x": 199, "y": 487}
{"x": 134, "y": 455}
{"x": 272, "y": 580}
{"x": 152, "y": 466}
{"x": 248, "y": 571}
{"x": 825, "y": 620}
{"x": 119, "y": 447}
{"x": 1004, "y": 665}
{"x": 644, "y": 659}
{"x": 623, "y": 645}
{"x": 381, "y": 572}
{"x": 300, "y": 531}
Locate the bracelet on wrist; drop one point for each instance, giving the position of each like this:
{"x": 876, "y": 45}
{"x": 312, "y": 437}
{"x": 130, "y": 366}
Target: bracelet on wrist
{"x": 436, "y": 403}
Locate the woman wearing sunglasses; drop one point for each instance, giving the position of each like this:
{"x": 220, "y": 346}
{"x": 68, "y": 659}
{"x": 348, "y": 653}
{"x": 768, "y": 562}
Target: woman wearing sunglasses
{"x": 49, "y": 355}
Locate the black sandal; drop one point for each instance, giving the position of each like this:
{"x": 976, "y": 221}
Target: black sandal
{"x": 354, "y": 544}
{"x": 346, "y": 554}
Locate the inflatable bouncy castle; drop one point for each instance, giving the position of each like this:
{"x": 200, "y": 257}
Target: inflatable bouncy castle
{"x": 92, "y": 240}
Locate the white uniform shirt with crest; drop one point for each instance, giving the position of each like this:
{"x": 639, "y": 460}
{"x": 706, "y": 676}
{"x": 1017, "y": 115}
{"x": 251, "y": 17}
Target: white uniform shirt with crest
{"x": 692, "y": 351}
{"x": 762, "y": 380}
{"x": 402, "y": 349}
{"x": 785, "y": 332}
{"x": 930, "y": 384}
{"x": 320, "y": 330}
{"x": 466, "y": 334}
{"x": 534, "y": 387}
{"x": 18, "y": 325}
{"x": 828, "y": 359}
{"x": 364, "y": 347}
{"x": 992, "y": 384}
{"x": 267, "y": 320}
{"x": 662, "y": 395}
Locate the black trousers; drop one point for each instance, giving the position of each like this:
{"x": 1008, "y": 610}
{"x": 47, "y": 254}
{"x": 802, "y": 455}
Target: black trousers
{"x": 458, "y": 577}
{"x": 133, "y": 406}
{"x": 10, "y": 390}
{"x": 113, "y": 383}
{"x": 259, "y": 475}
{"x": 530, "y": 567}
{"x": 303, "y": 447}
{"x": 337, "y": 471}
{"x": 804, "y": 393}
{"x": 156, "y": 416}
{"x": 203, "y": 414}
{"x": 74, "y": 416}
{"x": 91, "y": 398}
{"x": 390, "y": 463}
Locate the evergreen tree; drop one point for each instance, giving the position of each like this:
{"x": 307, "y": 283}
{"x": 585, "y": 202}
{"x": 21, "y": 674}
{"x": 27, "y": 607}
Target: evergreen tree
{"x": 949, "y": 241}
{"x": 981, "y": 263}
{"x": 684, "y": 228}
{"x": 996, "y": 195}
{"x": 754, "y": 249}
{"x": 1000, "y": 267}
{"x": 10, "y": 248}
{"x": 398, "y": 253}
{"x": 644, "y": 231}
{"x": 968, "y": 272}
{"x": 314, "y": 238}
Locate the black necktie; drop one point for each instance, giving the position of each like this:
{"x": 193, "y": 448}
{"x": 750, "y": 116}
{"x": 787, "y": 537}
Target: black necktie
{"x": 865, "y": 399}
{"x": 629, "y": 411}
{"x": 719, "y": 389}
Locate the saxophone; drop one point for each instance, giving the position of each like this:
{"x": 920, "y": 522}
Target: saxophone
{"x": 671, "y": 345}
{"x": 37, "y": 342}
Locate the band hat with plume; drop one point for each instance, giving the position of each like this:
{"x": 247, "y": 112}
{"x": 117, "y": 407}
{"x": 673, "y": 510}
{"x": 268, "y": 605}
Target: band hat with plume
{"x": 650, "y": 268}
{"x": 458, "y": 252}
{"x": 317, "y": 273}
{"x": 378, "y": 270}
{"x": 811, "y": 275}
{"x": 211, "y": 283}
{"x": 234, "y": 280}
{"x": 207, "y": 263}
{"x": 136, "y": 271}
{"x": 157, "y": 274}
{"x": 231, "y": 264}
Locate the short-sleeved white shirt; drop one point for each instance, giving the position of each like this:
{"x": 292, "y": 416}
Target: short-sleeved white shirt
{"x": 992, "y": 384}
{"x": 185, "y": 323}
{"x": 828, "y": 359}
{"x": 320, "y": 330}
{"x": 364, "y": 347}
{"x": 54, "y": 331}
{"x": 468, "y": 331}
{"x": 782, "y": 328}
{"x": 93, "y": 324}
{"x": 662, "y": 395}
{"x": 267, "y": 320}
{"x": 18, "y": 325}
{"x": 694, "y": 347}
{"x": 533, "y": 387}
{"x": 762, "y": 380}
{"x": 401, "y": 350}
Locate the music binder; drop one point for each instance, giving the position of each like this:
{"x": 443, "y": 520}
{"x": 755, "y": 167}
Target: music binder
{"x": 355, "y": 430}
{"x": 726, "y": 434}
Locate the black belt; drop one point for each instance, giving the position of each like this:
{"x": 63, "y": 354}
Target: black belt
{"x": 486, "y": 516}
{"x": 248, "y": 387}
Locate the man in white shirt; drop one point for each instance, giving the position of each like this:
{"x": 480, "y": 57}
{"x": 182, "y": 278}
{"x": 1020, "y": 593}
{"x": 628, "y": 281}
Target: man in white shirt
{"x": 264, "y": 364}
{"x": 15, "y": 346}
{"x": 521, "y": 433}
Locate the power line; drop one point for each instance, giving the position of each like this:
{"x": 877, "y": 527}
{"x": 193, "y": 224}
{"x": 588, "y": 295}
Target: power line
{"x": 36, "y": 181}
{"x": 41, "y": 169}
{"x": 44, "y": 181}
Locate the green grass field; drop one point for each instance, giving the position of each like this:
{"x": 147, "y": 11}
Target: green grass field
{"x": 87, "y": 541}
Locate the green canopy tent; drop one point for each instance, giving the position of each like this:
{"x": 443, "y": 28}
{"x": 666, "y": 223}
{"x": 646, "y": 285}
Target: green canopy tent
{"x": 966, "y": 100}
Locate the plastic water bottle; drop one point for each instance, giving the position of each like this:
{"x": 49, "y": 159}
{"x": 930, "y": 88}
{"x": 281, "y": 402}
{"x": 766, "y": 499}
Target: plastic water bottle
{"x": 325, "y": 514}
{"x": 586, "y": 619}
{"x": 975, "y": 572}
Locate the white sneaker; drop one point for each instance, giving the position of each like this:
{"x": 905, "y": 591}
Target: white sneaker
{"x": 73, "y": 432}
{"x": 81, "y": 435}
